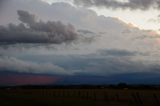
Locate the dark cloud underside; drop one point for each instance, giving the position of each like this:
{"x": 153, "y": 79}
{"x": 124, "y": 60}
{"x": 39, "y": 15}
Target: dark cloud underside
{"x": 130, "y": 4}
{"x": 32, "y": 31}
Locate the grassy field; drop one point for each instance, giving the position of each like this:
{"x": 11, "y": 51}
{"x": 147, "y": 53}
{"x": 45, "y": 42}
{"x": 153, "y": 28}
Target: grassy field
{"x": 79, "y": 97}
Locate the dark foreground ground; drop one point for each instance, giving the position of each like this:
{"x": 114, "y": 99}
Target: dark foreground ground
{"x": 79, "y": 97}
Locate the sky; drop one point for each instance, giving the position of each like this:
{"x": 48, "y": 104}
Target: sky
{"x": 79, "y": 42}
{"x": 141, "y": 18}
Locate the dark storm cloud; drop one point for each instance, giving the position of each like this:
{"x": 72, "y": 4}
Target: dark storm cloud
{"x": 119, "y": 53}
{"x": 26, "y": 17}
{"x": 83, "y": 31}
{"x": 130, "y": 4}
{"x": 32, "y": 31}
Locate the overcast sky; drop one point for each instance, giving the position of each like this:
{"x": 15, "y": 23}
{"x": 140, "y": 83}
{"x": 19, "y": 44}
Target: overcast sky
{"x": 80, "y": 37}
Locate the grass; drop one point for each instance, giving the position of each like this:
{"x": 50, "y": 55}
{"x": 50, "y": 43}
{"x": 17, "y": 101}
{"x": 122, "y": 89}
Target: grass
{"x": 79, "y": 97}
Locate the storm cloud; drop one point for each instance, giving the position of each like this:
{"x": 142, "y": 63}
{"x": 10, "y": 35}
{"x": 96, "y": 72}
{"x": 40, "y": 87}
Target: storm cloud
{"x": 117, "y": 47}
{"x": 17, "y": 65}
{"x": 31, "y": 30}
{"x": 26, "y": 17}
{"x": 123, "y": 4}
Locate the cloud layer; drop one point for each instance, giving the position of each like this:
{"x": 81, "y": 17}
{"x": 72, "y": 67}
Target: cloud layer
{"x": 16, "y": 65}
{"x": 116, "y": 47}
{"x": 123, "y": 4}
{"x": 33, "y": 31}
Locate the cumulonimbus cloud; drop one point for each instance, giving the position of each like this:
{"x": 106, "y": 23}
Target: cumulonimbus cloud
{"x": 124, "y": 4}
{"x": 32, "y": 31}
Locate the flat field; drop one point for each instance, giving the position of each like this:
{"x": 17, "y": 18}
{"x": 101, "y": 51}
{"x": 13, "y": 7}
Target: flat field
{"x": 79, "y": 97}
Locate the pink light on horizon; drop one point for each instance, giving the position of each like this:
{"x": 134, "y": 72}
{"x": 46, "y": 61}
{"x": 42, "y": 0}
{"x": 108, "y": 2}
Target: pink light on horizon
{"x": 27, "y": 79}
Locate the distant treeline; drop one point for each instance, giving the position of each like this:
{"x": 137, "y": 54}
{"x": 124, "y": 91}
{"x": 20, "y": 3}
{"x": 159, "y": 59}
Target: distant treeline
{"x": 118, "y": 86}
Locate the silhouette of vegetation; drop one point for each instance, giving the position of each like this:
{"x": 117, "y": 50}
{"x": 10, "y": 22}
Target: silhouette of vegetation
{"x": 110, "y": 95}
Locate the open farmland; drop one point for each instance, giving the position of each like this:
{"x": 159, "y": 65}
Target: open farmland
{"x": 79, "y": 97}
